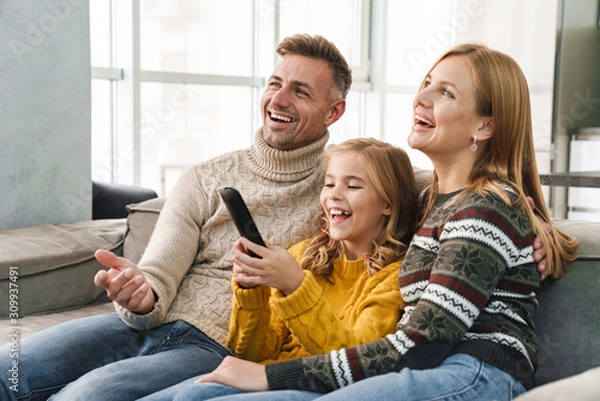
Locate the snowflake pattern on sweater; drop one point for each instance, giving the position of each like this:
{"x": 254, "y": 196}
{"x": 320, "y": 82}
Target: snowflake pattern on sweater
{"x": 468, "y": 282}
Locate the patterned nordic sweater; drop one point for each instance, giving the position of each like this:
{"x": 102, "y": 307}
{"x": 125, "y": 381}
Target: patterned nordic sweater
{"x": 468, "y": 282}
{"x": 318, "y": 317}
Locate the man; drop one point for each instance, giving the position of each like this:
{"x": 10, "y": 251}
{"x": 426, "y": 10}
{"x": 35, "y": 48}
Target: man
{"x": 173, "y": 309}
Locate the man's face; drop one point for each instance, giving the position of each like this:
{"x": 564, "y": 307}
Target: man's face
{"x": 297, "y": 105}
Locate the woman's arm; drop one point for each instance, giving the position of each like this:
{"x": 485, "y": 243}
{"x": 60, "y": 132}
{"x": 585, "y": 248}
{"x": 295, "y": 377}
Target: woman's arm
{"x": 465, "y": 272}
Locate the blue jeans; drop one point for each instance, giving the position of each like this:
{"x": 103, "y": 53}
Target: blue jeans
{"x": 459, "y": 378}
{"x": 188, "y": 391}
{"x": 101, "y": 358}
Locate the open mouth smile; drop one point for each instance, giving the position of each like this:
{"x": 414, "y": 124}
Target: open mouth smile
{"x": 338, "y": 215}
{"x": 423, "y": 122}
{"x": 281, "y": 118}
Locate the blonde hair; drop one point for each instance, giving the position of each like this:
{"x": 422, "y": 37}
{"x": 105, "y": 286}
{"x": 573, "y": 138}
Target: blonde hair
{"x": 391, "y": 172}
{"x": 501, "y": 92}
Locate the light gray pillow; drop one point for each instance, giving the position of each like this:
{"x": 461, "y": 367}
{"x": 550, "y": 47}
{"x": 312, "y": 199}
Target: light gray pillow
{"x": 140, "y": 225}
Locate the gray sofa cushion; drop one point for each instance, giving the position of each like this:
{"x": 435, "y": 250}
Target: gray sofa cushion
{"x": 56, "y": 264}
{"x": 587, "y": 232}
{"x": 567, "y": 321}
{"x": 140, "y": 225}
{"x": 568, "y": 324}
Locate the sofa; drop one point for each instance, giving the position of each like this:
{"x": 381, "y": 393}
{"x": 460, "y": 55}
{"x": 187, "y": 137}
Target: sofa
{"x": 53, "y": 267}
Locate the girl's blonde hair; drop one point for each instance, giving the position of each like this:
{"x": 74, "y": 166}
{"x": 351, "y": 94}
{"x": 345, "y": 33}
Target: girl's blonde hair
{"x": 501, "y": 92}
{"x": 391, "y": 172}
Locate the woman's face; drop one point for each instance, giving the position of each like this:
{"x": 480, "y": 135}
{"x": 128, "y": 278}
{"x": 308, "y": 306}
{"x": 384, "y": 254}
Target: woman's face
{"x": 445, "y": 121}
{"x": 355, "y": 210}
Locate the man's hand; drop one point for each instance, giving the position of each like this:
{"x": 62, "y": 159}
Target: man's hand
{"x": 124, "y": 283}
{"x": 238, "y": 373}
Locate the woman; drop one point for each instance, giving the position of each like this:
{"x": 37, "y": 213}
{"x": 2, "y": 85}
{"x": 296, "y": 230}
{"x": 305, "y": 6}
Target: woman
{"x": 468, "y": 279}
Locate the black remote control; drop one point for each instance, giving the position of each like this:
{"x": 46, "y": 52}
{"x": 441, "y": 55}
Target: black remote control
{"x": 241, "y": 215}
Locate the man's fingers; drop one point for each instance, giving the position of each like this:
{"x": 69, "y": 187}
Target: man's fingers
{"x": 117, "y": 287}
{"x": 109, "y": 259}
{"x": 101, "y": 279}
{"x": 132, "y": 296}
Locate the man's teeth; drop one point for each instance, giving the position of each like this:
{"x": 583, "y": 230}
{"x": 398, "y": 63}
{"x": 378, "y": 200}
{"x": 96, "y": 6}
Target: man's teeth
{"x": 281, "y": 118}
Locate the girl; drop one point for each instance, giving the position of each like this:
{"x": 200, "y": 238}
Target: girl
{"x": 337, "y": 288}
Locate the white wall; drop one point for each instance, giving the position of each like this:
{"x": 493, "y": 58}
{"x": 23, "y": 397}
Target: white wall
{"x": 44, "y": 112}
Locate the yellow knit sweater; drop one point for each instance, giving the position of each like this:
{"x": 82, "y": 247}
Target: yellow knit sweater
{"x": 318, "y": 317}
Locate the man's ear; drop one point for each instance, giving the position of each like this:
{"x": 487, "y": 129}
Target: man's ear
{"x": 336, "y": 110}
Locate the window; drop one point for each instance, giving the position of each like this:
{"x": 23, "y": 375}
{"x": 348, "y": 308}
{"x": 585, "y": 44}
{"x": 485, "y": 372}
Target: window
{"x": 178, "y": 82}
{"x": 190, "y": 36}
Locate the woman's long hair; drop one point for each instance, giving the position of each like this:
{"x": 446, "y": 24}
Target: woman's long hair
{"x": 501, "y": 92}
{"x": 391, "y": 172}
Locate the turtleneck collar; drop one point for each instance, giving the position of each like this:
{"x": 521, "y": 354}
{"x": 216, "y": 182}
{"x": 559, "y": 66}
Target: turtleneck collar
{"x": 286, "y": 165}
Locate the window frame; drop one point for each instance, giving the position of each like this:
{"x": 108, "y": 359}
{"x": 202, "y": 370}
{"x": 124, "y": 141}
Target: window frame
{"x": 126, "y": 77}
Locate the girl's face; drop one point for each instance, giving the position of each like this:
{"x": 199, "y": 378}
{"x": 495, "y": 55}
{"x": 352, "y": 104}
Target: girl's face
{"x": 445, "y": 121}
{"x": 352, "y": 204}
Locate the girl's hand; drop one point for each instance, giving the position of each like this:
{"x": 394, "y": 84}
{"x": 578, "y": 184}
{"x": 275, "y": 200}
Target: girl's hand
{"x": 238, "y": 272}
{"x": 277, "y": 268}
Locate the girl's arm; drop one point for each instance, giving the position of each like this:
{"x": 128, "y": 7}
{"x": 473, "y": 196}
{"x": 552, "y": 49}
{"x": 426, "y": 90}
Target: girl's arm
{"x": 372, "y": 311}
{"x": 251, "y": 335}
{"x": 256, "y": 332}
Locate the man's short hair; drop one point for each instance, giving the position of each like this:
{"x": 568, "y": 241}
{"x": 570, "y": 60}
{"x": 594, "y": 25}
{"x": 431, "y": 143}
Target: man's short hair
{"x": 317, "y": 47}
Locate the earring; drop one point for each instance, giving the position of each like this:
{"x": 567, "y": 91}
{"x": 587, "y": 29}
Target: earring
{"x": 474, "y": 145}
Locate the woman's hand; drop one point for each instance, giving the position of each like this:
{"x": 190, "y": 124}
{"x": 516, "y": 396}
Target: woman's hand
{"x": 277, "y": 268}
{"x": 238, "y": 373}
{"x": 541, "y": 255}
